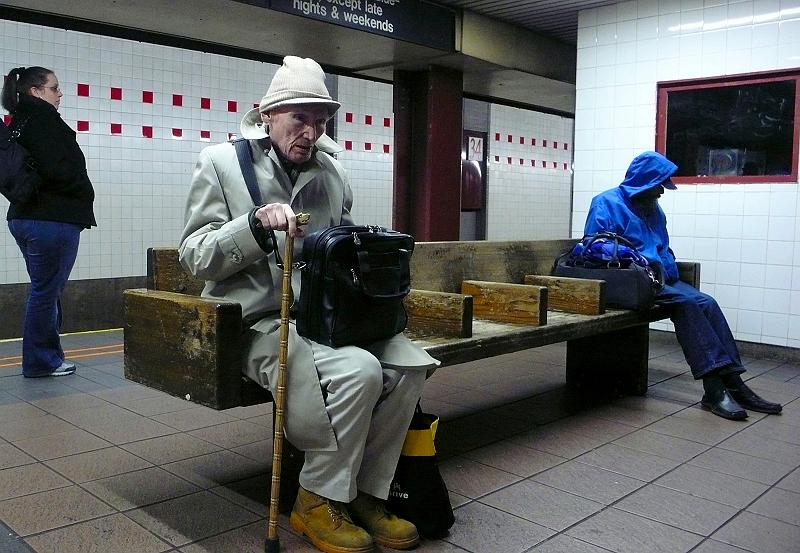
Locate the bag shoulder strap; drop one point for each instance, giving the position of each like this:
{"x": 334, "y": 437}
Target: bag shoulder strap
{"x": 245, "y": 156}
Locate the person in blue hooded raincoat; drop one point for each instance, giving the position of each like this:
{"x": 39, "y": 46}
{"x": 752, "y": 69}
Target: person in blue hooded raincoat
{"x": 631, "y": 210}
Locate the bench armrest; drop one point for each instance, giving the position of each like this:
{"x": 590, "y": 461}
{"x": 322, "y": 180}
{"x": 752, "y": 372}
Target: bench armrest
{"x": 184, "y": 345}
{"x": 689, "y": 272}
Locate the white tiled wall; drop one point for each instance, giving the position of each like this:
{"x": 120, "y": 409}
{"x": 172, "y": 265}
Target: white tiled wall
{"x": 145, "y": 111}
{"x": 747, "y": 237}
{"x": 529, "y": 182}
{"x": 366, "y": 131}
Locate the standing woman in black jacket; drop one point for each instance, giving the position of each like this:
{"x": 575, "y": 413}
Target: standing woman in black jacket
{"x": 47, "y": 228}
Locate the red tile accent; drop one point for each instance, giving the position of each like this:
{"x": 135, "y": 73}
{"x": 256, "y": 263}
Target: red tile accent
{"x": 565, "y": 145}
{"x": 231, "y": 136}
{"x": 232, "y": 106}
{"x": 510, "y": 138}
{"x": 368, "y": 120}
{"x": 497, "y": 136}
{"x": 533, "y": 163}
{"x": 116, "y": 93}
{"x": 522, "y": 140}
{"x": 116, "y": 128}
{"x": 544, "y": 163}
{"x": 509, "y": 160}
{"x": 555, "y": 165}
{"x": 83, "y": 89}
{"x": 555, "y": 145}
{"x": 521, "y": 161}
{"x": 147, "y": 96}
{"x": 177, "y": 100}
{"x": 368, "y": 146}
{"x": 177, "y": 133}
{"x": 544, "y": 143}
{"x": 387, "y": 122}
{"x": 83, "y": 126}
{"x": 385, "y": 148}
{"x": 255, "y": 105}
{"x": 205, "y": 103}
{"x": 348, "y": 117}
{"x": 565, "y": 167}
{"x": 533, "y": 142}
{"x": 205, "y": 135}
{"x": 497, "y": 158}
{"x": 147, "y": 131}
{"x": 348, "y": 144}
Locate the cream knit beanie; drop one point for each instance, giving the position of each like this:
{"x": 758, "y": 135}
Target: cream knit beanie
{"x": 297, "y": 81}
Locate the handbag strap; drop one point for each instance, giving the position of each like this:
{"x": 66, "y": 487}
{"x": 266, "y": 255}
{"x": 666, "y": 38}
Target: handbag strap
{"x": 17, "y": 130}
{"x": 245, "y": 156}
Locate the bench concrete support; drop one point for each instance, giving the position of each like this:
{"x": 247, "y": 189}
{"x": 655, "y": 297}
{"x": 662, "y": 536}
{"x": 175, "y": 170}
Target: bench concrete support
{"x": 617, "y": 358}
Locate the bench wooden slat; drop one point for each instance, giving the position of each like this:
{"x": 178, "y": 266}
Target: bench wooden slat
{"x": 508, "y": 303}
{"x": 572, "y": 295}
{"x": 439, "y": 314}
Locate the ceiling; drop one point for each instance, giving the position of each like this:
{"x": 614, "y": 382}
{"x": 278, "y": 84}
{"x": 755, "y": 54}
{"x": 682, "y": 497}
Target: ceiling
{"x": 557, "y": 19}
{"x": 519, "y": 52}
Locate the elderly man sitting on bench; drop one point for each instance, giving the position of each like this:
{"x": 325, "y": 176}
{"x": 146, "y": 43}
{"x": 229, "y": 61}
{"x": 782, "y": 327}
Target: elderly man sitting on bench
{"x": 348, "y": 408}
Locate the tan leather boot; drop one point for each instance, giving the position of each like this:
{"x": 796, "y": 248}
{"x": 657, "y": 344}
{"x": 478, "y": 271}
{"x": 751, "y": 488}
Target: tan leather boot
{"x": 328, "y": 524}
{"x": 385, "y": 528}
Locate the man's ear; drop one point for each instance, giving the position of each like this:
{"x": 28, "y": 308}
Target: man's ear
{"x": 265, "y": 116}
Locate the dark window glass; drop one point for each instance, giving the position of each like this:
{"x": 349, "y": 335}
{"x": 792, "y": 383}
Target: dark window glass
{"x": 731, "y": 131}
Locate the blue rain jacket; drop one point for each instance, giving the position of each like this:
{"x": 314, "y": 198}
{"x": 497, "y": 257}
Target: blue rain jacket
{"x": 614, "y": 210}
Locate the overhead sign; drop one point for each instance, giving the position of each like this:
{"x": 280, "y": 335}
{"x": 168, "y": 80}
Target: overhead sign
{"x": 408, "y": 20}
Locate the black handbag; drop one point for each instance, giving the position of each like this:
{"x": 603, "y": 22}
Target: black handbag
{"x": 19, "y": 180}
{"x": 354, "y": 277}
{"x": 353, "y": 284}
{"x": 631, "y": 282}
{"x": 418, "y": 492}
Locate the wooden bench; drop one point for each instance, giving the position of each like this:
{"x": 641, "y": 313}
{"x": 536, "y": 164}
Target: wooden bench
{"x": 187, "y": 346}
{"x": 469, "y": 301}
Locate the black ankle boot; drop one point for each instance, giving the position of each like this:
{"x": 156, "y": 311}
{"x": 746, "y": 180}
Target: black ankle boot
{"x": 748, "y": 399}
{"x": 719, "y": 401}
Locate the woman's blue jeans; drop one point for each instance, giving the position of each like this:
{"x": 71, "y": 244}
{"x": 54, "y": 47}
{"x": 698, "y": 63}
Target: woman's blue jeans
{"x": 49, "y": 249}
{"x": 701, "y": 329}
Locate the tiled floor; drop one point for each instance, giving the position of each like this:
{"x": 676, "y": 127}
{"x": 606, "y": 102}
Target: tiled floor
{"x": 93, "y": 463}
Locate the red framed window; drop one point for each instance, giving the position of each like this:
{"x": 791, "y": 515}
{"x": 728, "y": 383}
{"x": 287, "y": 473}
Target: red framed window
{"x": 732, "y": 129}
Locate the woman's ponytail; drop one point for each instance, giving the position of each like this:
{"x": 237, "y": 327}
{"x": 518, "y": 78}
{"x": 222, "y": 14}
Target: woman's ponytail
{"x": 19, "y": 81}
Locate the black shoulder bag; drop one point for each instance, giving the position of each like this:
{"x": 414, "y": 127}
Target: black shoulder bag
{"x": 19, "y": 180}
{"x": 354, "y": 279}
{"x": 631, "y": 282}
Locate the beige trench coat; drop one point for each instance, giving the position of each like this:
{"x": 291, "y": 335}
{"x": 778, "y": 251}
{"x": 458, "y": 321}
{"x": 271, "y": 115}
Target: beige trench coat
{"x": 218, "y": 246}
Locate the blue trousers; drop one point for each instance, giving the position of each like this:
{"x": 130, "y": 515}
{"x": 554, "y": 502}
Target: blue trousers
{"x": 49, "y": 249}
{"x": 701, "y": 329}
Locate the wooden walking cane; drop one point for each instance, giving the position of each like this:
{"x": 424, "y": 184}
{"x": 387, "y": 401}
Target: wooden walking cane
{"x": 272, "y": 544}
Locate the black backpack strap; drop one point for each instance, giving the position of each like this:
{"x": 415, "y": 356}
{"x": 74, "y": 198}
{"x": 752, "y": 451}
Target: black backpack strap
{"x": 245, "y": 155}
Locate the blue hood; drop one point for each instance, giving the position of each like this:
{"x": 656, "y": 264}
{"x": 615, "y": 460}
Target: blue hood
{"x": 646, "y": 171}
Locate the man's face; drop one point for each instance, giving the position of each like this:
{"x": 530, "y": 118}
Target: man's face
{"x": 649, "y": 198}
{"x": 294, "y": 129}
